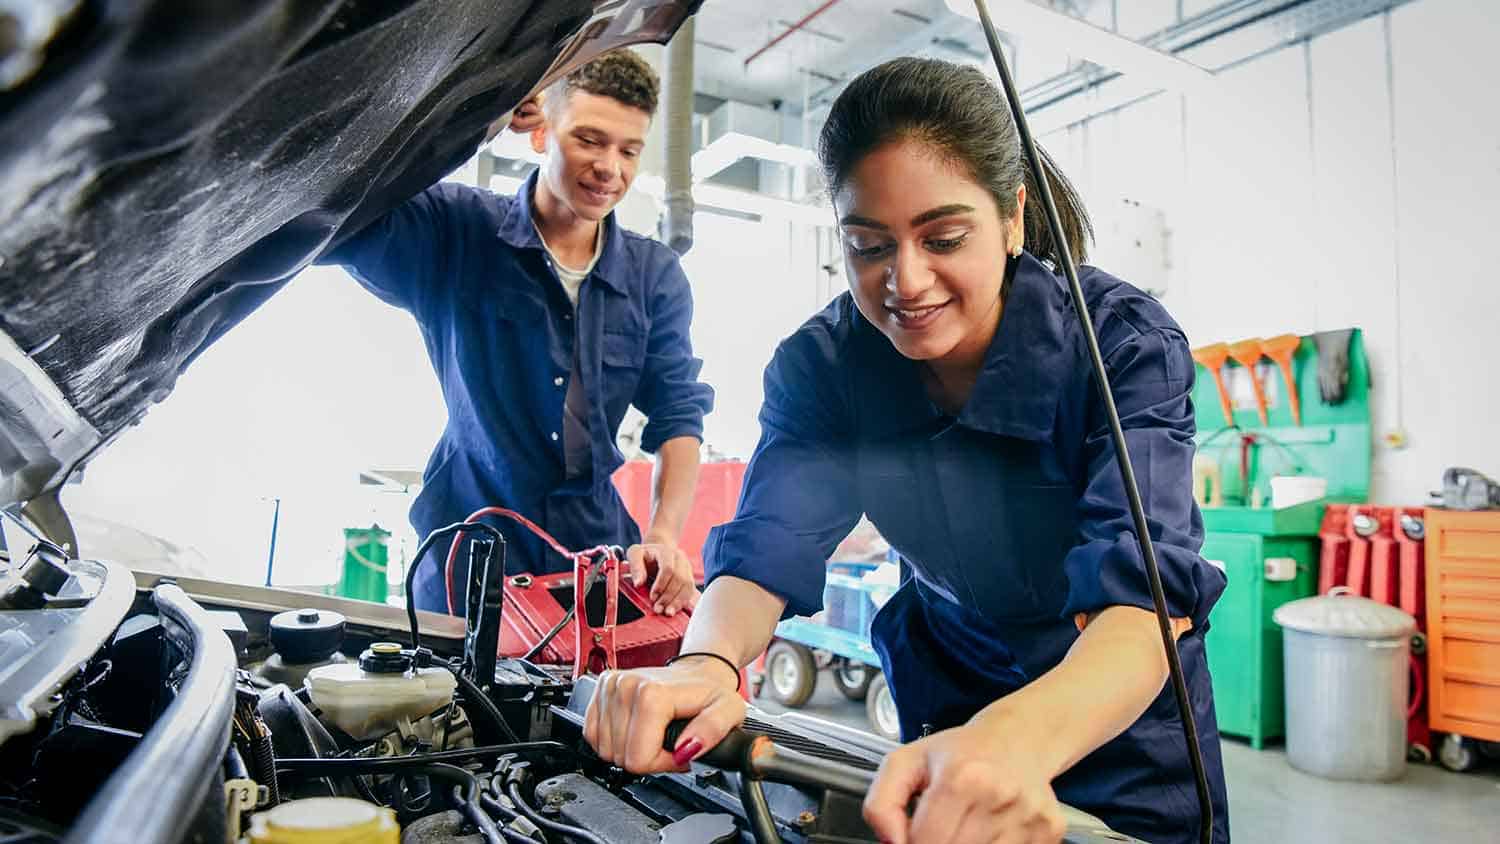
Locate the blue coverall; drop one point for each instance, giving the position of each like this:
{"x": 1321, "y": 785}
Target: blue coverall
{"x": 500, "y": 331}
{"x": 1010, "y": 519}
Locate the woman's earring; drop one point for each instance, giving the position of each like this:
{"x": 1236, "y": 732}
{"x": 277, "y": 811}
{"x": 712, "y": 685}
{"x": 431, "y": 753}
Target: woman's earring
{"x": 1015, "y": 250}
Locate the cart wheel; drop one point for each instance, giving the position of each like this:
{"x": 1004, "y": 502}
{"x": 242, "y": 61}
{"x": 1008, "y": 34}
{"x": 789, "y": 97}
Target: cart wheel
{"x": 852, "y": 678}
{"x": 1457, "y": 753}
{"x": 791, "y": 674}
{"x": 880, "y": 708}
{"x": 1420, "y": 754}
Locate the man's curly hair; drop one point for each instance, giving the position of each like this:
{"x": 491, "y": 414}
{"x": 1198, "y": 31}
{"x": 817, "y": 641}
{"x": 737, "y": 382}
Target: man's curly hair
{"x": 619, "y": 74}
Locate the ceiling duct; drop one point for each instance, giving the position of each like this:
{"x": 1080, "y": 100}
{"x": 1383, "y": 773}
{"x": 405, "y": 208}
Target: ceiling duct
{"x": 735, "y": 131}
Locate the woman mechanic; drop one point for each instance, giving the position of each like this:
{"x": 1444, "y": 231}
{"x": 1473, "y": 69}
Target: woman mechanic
{"x": 948, "y": 396}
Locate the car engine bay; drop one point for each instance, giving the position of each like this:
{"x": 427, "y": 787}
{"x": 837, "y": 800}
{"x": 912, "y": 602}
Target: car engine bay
{"x": 138, "y": 708}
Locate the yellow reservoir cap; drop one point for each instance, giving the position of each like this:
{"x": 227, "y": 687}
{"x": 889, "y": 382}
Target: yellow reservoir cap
{"x": 325, "y": 820}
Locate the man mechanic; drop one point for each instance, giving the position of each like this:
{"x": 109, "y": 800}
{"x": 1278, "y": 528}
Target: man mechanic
{"x": 545, "y": 320}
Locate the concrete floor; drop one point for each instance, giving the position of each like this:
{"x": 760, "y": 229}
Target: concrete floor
{"x": 1271, "y": 802}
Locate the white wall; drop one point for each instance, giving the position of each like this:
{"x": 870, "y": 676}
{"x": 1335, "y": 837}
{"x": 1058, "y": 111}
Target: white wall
{"x": 1282, "y": 199}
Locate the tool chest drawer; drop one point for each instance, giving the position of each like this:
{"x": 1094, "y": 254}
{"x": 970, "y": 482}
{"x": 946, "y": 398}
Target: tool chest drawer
{"x": 1463, "y": 622}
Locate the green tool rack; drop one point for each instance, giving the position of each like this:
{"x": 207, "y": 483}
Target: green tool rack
{"x": 1333, "y": 442}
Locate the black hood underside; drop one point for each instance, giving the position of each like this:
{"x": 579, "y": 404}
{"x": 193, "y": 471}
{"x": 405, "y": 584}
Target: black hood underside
{"x": 166, "y": 165}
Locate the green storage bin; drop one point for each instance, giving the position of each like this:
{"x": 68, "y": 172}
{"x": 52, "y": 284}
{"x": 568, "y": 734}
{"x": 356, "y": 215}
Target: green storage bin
{"x": 366, "y": 554}
{"x": 1243, "y": 642}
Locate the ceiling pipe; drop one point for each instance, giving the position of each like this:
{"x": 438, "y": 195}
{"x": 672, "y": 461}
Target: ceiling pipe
{"x": 806, "y": 19}
{"x": 677, "y": 221}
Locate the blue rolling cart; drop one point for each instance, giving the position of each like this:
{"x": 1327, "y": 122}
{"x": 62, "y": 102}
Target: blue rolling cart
{"x": 839, "y": 641}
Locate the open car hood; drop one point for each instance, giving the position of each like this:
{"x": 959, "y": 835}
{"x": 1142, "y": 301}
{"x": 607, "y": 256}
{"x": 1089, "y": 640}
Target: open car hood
{"x": 167, "y": 165}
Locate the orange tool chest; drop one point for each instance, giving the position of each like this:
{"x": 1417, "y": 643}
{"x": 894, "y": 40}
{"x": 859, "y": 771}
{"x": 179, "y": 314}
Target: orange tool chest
{"x": 1463, "y": 623}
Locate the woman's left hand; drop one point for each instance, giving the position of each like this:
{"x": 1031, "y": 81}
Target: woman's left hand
{"x": 977, "y": 783}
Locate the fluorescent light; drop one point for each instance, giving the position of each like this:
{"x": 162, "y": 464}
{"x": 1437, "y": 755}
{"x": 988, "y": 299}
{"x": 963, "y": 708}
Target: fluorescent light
{"x": 733, "y": 146}
{"x": 765, "y": 207}
{"x": 743, "y": 202}
{"x": 1086, "y": 41}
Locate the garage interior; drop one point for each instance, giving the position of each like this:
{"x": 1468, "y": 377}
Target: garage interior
{"x": 1303, "y": 184}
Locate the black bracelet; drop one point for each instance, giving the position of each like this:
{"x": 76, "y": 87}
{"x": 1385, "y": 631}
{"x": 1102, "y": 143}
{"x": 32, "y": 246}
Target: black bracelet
{"x": 725, "y": 660}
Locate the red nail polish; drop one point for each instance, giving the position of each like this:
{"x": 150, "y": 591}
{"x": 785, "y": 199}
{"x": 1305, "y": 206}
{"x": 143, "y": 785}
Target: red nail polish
{"x": 686, "y": 752}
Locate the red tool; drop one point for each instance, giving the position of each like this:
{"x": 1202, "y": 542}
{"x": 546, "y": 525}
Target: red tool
{"x": 1213, "y": 357}
{"x": 1247, "y": 353}
{"x": 1281, "y": 350}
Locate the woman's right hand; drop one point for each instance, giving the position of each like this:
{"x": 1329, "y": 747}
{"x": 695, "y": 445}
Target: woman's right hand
{"x": 628, "y": 718}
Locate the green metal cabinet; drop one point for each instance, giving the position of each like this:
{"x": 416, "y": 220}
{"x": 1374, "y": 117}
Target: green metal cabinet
{"x": 1244, "y": 643}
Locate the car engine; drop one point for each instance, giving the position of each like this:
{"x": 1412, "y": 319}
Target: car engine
{"x": 142, "y": 709}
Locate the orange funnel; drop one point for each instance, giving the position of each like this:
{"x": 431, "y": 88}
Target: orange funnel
{"x": 1213, "y": 357}
{"x": 1281, "y": 349}
{"x": 1247, "y": 353}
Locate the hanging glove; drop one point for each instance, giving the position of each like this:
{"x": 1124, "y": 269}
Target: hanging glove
{"x": 1333, "y": 364}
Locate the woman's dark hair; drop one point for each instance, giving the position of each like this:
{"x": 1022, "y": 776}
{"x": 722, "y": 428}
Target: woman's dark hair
{"x": 962, "y": 116}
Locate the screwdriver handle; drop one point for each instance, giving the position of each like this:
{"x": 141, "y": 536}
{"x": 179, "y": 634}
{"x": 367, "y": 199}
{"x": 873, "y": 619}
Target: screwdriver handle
{"x": 731, "y": 754}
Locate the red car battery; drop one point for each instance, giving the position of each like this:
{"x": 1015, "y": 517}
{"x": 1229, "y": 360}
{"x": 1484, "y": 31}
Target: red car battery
{"x": 616, "y": 624}
{"x": 615, "y": 629}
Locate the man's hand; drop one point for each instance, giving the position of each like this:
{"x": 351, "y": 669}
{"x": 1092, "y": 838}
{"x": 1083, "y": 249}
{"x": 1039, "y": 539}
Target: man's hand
{"x": 528, "y": 116}
{"x": 975, "y": 783}
{"x": 673, "y": 588}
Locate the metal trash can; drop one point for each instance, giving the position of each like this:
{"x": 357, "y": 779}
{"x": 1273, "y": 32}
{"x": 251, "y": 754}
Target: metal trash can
{"x": 1347, "y": 668}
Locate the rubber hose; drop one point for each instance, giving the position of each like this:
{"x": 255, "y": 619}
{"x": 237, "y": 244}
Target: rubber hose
{"x": 472, "y": 692}
{"x": 265, "y": 767}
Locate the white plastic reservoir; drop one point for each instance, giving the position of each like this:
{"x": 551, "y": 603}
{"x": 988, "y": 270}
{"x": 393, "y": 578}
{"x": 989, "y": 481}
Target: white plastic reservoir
{"x": 367, "y": 704}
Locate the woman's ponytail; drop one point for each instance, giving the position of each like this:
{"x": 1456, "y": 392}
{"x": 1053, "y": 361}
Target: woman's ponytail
{"x": 1077, "y": 228}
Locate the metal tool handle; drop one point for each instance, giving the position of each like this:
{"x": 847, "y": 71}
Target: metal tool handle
{"x": 758, "y": 757}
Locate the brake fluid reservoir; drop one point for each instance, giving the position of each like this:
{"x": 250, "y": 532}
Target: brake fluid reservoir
{"x": 366, "y": 700}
